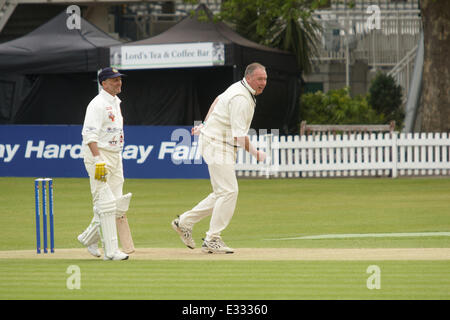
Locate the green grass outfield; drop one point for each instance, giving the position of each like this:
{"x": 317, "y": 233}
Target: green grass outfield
{"x": 267, "y": 210}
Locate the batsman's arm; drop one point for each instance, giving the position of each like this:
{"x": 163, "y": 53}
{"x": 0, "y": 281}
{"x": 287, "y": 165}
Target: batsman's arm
{"x": 94, "y": 149}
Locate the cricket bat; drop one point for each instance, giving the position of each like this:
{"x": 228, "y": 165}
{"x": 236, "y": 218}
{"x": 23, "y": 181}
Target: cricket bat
{"x": 123, "y": 229}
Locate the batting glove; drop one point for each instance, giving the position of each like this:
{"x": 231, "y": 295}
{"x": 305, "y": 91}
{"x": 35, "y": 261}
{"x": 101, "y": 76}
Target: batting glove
{"x": 100, "y": 169}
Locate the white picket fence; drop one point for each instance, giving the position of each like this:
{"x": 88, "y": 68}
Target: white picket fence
{"x": 355, "y": 155}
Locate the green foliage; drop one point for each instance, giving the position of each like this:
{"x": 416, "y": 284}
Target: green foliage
{"x": 337, "y": 107}
{"x": 284, "y": 24}
{"x": 382, "y": 105}
{"x": 385, "y": 97}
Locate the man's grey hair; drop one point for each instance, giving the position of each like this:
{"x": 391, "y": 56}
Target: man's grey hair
{"x": 252, "y": 67}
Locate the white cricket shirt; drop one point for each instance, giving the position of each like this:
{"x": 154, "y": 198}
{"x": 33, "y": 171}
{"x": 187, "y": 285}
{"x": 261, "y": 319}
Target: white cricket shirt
{"x": 103, "y": 123}
{"x": 233, "y": 113}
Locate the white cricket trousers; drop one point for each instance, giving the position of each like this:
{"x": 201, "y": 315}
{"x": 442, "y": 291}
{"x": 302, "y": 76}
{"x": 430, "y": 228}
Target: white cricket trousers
{"x": 221, "y": 203}
{"x": 114, "y": 179}
{"x": 104, "y": 198}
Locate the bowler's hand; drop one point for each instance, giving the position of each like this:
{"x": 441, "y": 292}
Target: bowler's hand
{"x": 195, "y": 131}
{"x": 100, "y": 170}
{"x": 261, "y": 156}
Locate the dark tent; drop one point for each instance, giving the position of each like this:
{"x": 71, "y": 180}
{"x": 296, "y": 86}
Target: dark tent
{"x": 48, "y": 76}
{"x": 181, "y": 95}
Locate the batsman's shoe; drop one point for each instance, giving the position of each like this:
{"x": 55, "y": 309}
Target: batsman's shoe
{"x": 92, "y": 249}
{"x": 215, "y": 245}
{"x": 117, "y": 255}
{"x": 184, "y": 232}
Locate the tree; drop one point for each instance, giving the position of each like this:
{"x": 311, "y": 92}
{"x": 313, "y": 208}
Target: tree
{"x": 284, "y": 24}
{"x": 385, "y": 97}
{"x": 435, "y": 103}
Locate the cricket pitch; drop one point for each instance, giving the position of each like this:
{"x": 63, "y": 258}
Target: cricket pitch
{"x": 267, "y": 254}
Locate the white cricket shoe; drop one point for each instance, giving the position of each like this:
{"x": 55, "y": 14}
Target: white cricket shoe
{"x": 215, "y": 245}
{"x": 117, "y": 255}
{"x": 92, "y": 249}
{"x": 184, "y": 232}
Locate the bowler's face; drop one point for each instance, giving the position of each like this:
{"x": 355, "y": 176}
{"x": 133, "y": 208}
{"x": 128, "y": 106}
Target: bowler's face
{"x": 257, "y": 80}
{"x": 113, "y": 86}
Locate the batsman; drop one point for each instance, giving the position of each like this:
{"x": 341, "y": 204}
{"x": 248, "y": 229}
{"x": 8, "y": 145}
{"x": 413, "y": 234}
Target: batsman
{"x": 103, "y": 141}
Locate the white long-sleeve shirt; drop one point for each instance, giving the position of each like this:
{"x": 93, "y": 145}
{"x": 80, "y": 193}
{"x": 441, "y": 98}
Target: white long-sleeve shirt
{"x": 233, "y": 113}
{"x": 103, "y": 123}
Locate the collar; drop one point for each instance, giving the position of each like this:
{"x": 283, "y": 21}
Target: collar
{"x": 249, "y": 89}
{"x": 108, "y": 97}
{"x": 245, "y": 83}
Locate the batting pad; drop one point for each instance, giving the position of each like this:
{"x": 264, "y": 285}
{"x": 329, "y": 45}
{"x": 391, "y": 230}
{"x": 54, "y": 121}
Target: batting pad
{"x": 91, "y": 235}
{"x": 109, "y": 233}
{"x": 106, "y": 208}
{"x": 123, "y": 203}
